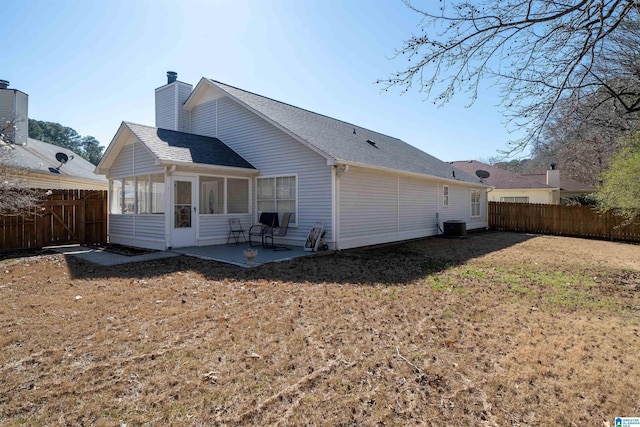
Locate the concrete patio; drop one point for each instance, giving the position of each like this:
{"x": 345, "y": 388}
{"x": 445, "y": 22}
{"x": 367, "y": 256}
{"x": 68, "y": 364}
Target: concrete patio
{"x": 234, "y": 254}
{"x": 230, "y": 254}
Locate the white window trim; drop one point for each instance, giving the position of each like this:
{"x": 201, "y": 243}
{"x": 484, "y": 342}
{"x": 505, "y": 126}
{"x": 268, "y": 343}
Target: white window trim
{"x": 226, "y": 194}
{"x": 286, "y": 175}
{"x": 479, "y": 204}
{"x": 133, "y": 178}
{"x": 445, "y": 200}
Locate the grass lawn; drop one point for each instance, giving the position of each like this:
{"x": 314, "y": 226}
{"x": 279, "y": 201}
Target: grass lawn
{"x": 499, "y": 329}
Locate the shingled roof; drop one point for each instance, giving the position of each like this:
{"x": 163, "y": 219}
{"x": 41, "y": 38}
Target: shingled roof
{"x": 500, "y": 178}
{"x": 173, "y": 146}
{"x": 566, "y": 183}
{"x": 344, "y": 142}
{"x": 40, "y": 157}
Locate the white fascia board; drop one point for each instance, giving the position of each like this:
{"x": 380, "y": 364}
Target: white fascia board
{"x": 105, "y": 163}
{"x": 208, "y": 167}
{"x": 191, "y": 100}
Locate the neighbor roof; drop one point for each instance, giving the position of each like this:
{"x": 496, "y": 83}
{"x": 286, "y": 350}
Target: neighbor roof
{"x": 345, "y": 142}
{"x": 500, "y": 178}
{"x": 566, "y": 183}
{"x": 173, "y": 146}
{"x": 40, "y": 157}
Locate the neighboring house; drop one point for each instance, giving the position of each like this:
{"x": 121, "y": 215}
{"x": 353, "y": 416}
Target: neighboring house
{"x": 569, "y": 187}
{"x": 220, "y": 152}
{"x": 547, "y": 188}
{"x": 40, "y": 164}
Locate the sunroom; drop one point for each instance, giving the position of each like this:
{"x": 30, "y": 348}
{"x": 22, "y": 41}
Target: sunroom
{"x": 173, "y": 189}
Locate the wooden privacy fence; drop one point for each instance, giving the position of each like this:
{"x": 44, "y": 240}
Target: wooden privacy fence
{"x": 67, "y": 216}
{"x": 577, "y": 221}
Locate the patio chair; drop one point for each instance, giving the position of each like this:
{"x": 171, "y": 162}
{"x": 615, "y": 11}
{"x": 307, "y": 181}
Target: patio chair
{"x": 281, "y": 231}
{"x": 236, "y": 230}
{"x": 267, "y": 221}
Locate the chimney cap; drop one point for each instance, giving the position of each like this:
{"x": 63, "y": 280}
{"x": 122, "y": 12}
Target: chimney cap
{"x": 552, "y": 166}
{"x": 4, "y": 84}
{"x": 172, "y": 76}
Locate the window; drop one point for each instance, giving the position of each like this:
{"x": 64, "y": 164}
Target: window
{"x": 157, "y": 194}
{"x": 475, "y": 202}
{"x": 220, "y": 195}
{"x": 237, "y": 196}
{"x": 522, "y": 199}
{"x": 278, "y": 194}
{"x": 129, "y": 196}
{"x": 115, "y": 197}
{"x": 141, "y": 194}
{"x": 212, "y": 195}
{"x": 445, "y": 196}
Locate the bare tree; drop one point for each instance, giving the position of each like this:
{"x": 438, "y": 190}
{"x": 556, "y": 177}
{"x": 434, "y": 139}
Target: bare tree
{"x": 539, "y": 52}
{"x": 16, "y": 198}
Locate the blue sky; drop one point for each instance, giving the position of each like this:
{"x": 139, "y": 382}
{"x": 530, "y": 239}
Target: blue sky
{"x": 90, "y": 64}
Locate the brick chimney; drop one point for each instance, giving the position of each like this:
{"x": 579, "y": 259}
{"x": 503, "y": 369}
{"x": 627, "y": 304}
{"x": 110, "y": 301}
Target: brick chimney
{"x": 553, "y": 176}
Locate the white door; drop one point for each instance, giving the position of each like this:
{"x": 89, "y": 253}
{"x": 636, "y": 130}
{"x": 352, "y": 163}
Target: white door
{"x": 185, "y": 212}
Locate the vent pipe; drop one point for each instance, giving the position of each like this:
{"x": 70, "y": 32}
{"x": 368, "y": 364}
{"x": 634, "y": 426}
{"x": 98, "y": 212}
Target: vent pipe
{"x": 4, "y": 84}
{"x": 172, "y": 76}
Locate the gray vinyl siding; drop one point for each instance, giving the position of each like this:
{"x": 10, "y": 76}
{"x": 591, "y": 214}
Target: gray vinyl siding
{"x": 203, "y": 119}
{"x": 125, "y": 166}
{"x": 214, "y": 229}
{"x": 418, "y": 204}
{"x": 184, "y": 116}
{"x": 380, "y": 207}
{"x": 146, "y": 231}
{"x": 165, "y": 107}
{"x": 14, "y": 106}
{"x": 273, "y": 152}
{"x": 169, "y": 111}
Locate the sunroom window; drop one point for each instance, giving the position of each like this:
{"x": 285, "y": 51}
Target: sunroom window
{"x": 222, "y": 195}
{"x": 142, "y": 195}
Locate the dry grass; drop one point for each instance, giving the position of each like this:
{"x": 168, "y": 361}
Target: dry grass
{"x": 498, "y": 329}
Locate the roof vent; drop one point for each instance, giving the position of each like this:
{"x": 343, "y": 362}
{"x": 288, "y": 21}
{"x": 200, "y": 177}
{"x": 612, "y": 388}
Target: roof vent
{"x": 372, "y": 143}
{"x": 172, "y": 76}
{"x": 4, "y": 84}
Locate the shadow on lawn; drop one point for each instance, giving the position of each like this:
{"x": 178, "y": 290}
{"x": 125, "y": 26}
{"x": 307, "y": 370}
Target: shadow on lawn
{"x": 393, "y": 264}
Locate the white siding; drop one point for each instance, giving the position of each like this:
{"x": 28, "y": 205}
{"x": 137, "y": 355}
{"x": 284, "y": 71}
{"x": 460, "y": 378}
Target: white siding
{"x": 203, "y": 119}
{"x": 14, "y": 105}
{"x": 165, "y": 107}
{"x": 124, "y": 164}
{"x": 380, "y": 207}
{"x": 169, "y": 111}
{"x": 184, "y": 116}
{"x": 146, "y": 231}
{"x": 214, "y": 229}
{"x": 273, "y": 152}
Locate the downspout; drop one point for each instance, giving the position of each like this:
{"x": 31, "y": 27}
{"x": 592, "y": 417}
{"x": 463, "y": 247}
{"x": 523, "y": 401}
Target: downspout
{"x": 335, "y": 207}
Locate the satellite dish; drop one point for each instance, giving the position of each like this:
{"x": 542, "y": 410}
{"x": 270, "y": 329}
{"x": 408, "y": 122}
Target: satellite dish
{"x": 482, "y": 174}
{"x": 62, "y": 158}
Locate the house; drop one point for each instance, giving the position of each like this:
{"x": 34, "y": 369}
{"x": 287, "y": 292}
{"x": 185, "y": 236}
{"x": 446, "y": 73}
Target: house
{"x": 569, "y": 188}
{"x": 547, "y": 188}
{"x": 38, "y": 164}
{"x": 219, "y": 152}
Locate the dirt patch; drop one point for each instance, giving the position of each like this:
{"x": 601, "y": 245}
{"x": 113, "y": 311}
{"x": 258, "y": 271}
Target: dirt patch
{"x": 496, "y": 329}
